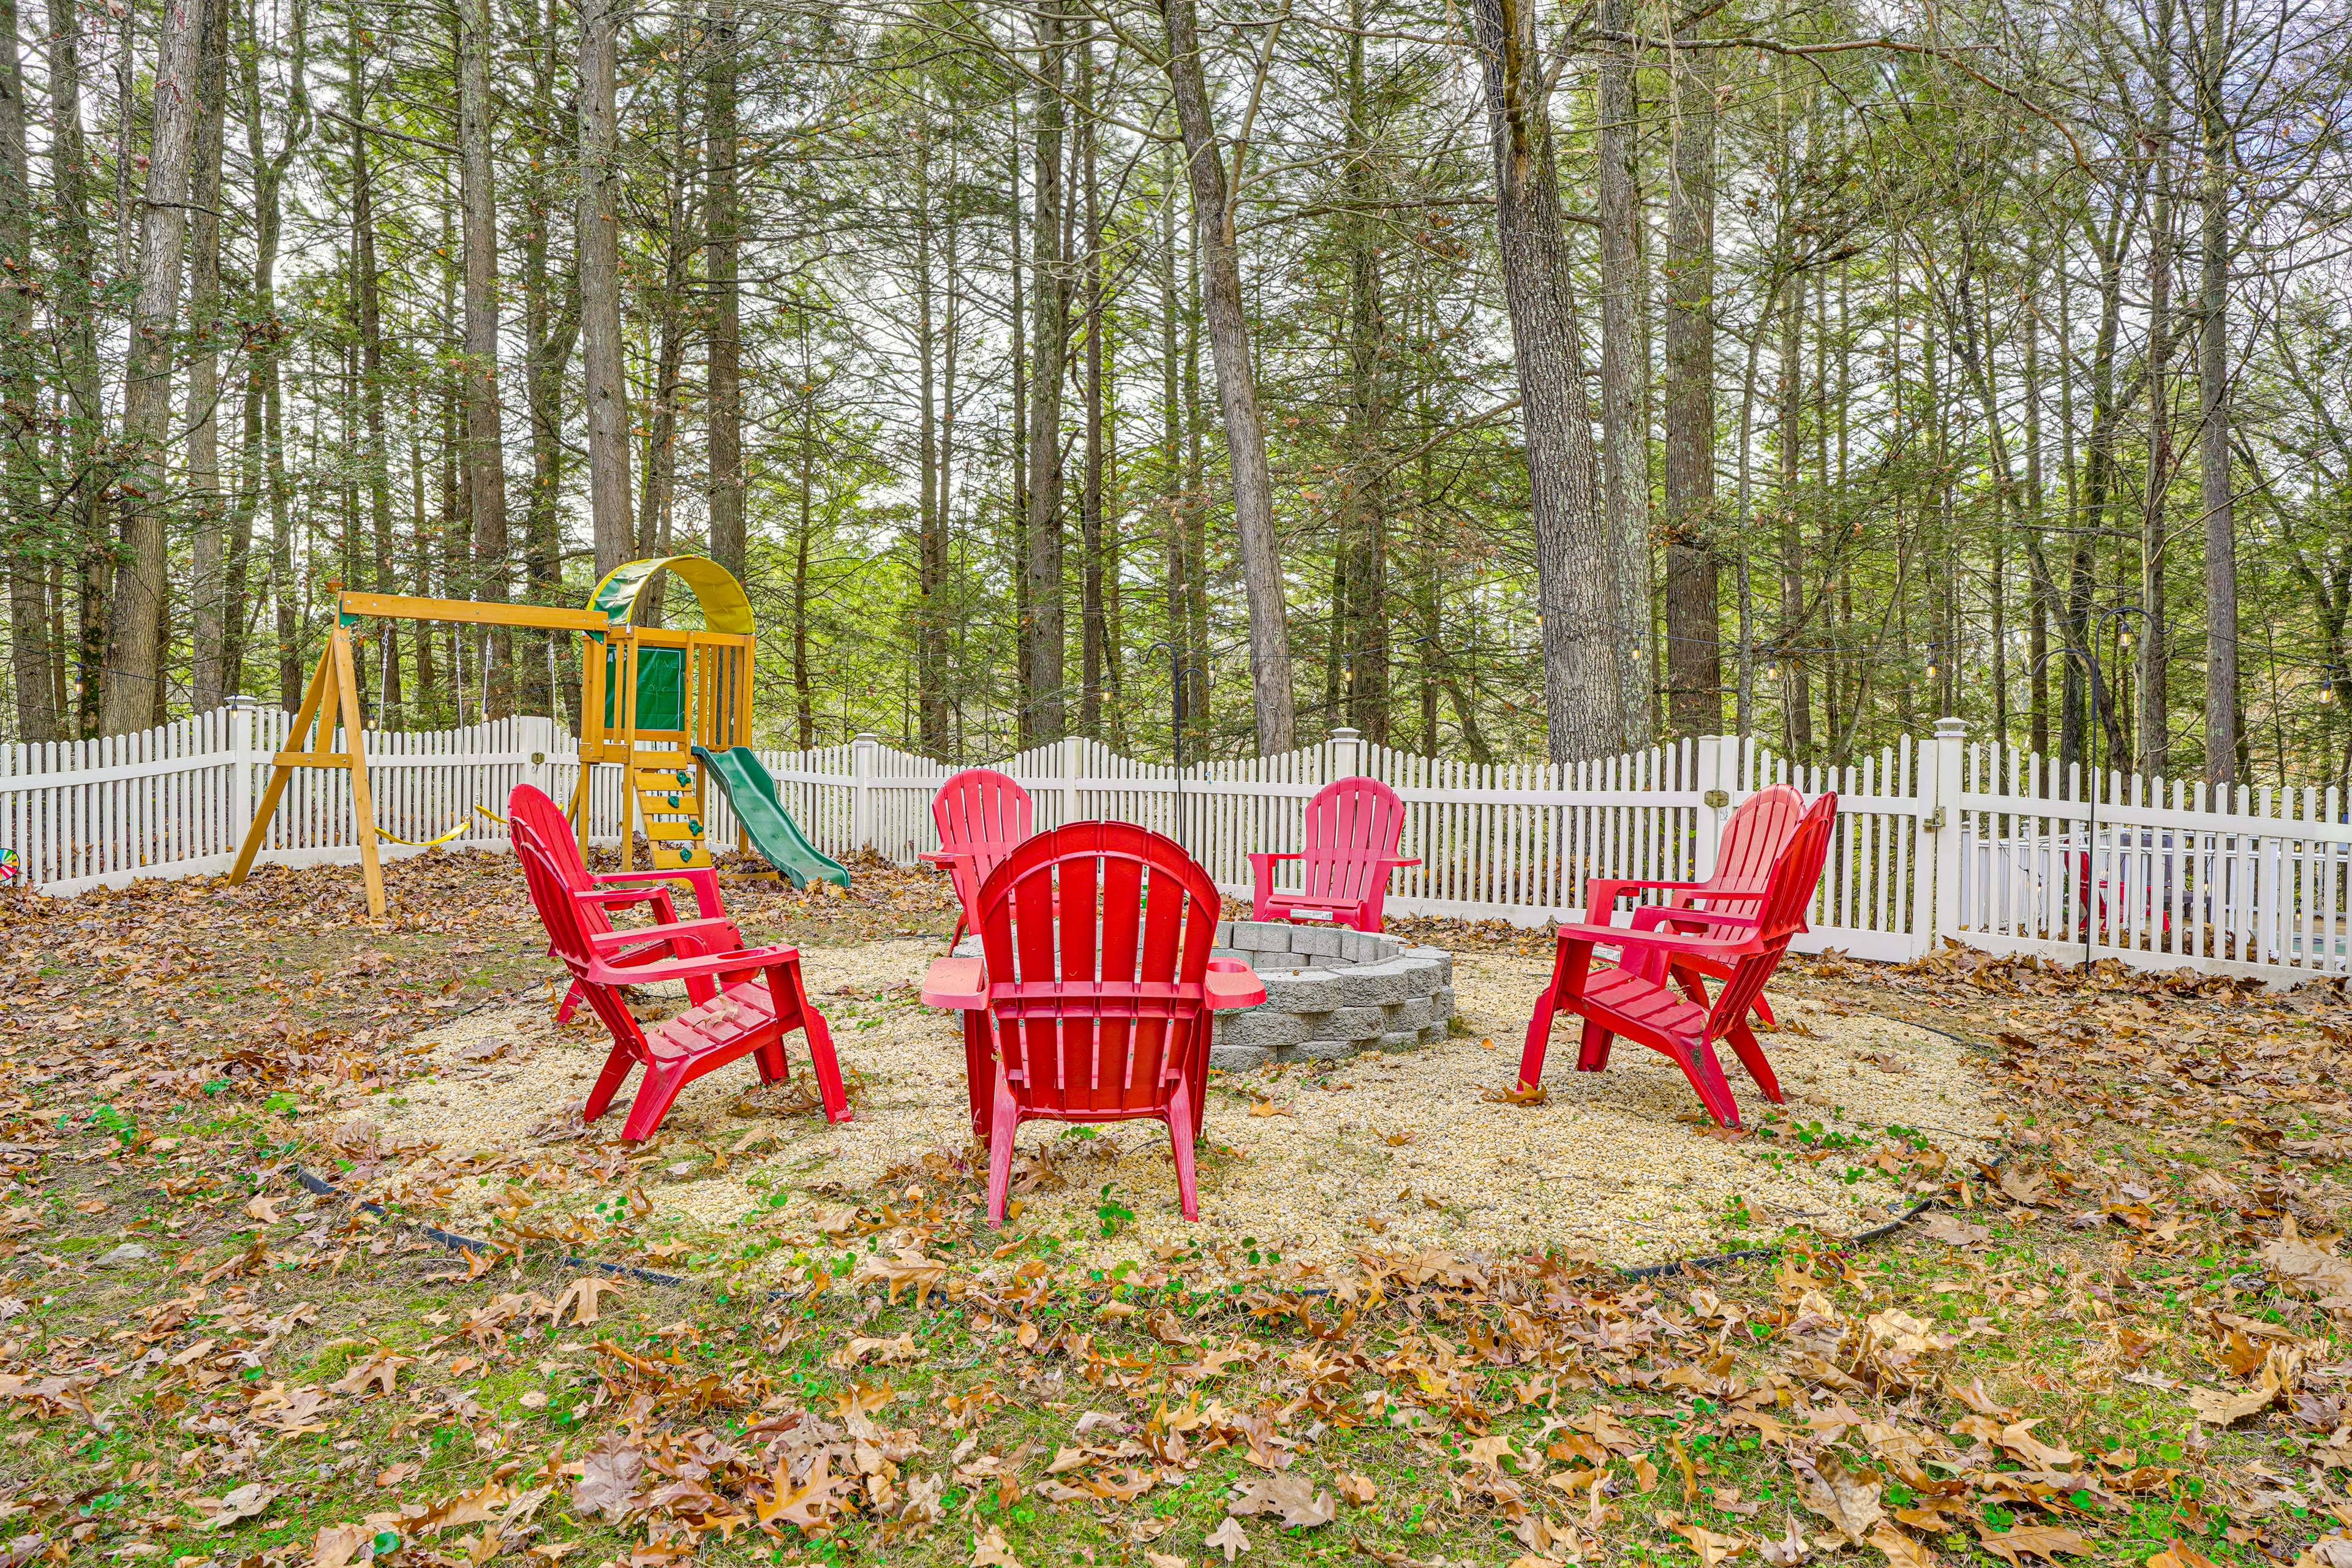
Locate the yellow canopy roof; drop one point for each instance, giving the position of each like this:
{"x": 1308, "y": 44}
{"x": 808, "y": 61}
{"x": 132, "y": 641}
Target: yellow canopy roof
{"x": 724, "y": 606}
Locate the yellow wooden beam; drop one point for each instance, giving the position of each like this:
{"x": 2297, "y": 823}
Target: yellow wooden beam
{"x": 470, "y": 612}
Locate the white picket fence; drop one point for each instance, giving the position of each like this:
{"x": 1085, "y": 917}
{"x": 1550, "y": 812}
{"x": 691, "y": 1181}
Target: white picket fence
{"x": 1936, "y": 838}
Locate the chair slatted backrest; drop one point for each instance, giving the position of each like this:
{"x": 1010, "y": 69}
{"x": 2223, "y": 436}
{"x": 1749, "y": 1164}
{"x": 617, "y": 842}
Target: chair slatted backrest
{"x": 1098, "y": 938}
{"x": 570, "y": 921}
{"x": 1752, "y": 841}
{"x": 1352, "y": 825}
{"x": 984, "y": 815}
{"x": 530, "y": 809}
{"x": 1787, "y": 890}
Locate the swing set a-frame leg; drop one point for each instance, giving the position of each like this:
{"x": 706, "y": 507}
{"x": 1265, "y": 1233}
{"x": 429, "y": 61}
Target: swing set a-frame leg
{"x": 332, "y": 694}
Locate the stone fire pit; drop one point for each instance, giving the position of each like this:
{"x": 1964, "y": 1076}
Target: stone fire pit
{"x": 1329, "y": 994}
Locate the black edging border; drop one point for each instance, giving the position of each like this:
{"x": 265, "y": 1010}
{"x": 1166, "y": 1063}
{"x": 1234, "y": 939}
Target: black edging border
{"x": 472, "y": 1247}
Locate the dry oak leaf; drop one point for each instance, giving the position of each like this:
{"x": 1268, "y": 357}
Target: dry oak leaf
{"x": 2045, "y": 1541}
{"x": 1790, "y": 1551}
{"x": 581, "y": 1296}
{"x": 992, "y": 1551}
{"x": 1357, "y": 1490}
{"x": 339, "y": 1544}
{"x": 1293, "y": 1499}
{"x": 2332, "y": 1552}
{"x": 1953, "y": 1231}
{"x": 1902, "y": 1551}
{"x": 1229, "y": 1538}
{"x": 1518, "y": 1094}
{"x": 2309, "y": 1267}
{"x": 2179, "y": 1554}
{"x": 1167, "y": 1560}
{"x": 608, "y": 1479}
{"x": 1711, "y": 1547}
{"x": 379, "y": 1370}
{"x": 262, "y": 1208}
{"x": 809, "y": 1505}
{"x": 244, "y": 1503}
{"x": 1849, "y": 1501}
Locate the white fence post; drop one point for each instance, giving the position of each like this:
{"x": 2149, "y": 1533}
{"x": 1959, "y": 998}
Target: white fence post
{"x": 1074, "y": 767}
{"x": 1940, "y": 821}
{"x": 1714, "y": 770}
{"x": 241, "y": 761}
{"x": 862, "y": 752}
{"x": 1346, "y": 753}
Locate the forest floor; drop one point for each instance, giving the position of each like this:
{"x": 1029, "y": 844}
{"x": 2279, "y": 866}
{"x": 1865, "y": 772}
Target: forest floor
{"x": 2125, "y": 1335}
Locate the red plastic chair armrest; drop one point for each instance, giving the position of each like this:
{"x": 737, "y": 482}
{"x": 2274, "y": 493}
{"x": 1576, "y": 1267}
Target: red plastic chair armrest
{"x": 1623, "y": 937}
{"x": 958, "y": 983}
{"x": 1649, "y": 917}
{"x": 697, "y": 929}
{"x": 943, "y": 857}
{"x": 1268, "y": 856}
{"x": 703, "y": 879}
{"x": 1230, "y": 983}
{"x": 742, "y": 960}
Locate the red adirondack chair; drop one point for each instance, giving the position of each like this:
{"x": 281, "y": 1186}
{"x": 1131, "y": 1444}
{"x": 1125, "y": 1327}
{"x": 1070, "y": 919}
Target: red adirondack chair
{"x": 982, "y": 815}
{"x": 1752, "y": 841}
{"x": 712, "y": 932}
{"x": 1101, "y": 1014}
{"x": 1352, "y": 829}
{"x": 1633, "y": 1000}
{"x": 742, "y": 1002}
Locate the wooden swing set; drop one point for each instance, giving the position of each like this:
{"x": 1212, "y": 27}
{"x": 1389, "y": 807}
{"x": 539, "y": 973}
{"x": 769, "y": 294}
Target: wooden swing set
{"x": 648, "y": 697}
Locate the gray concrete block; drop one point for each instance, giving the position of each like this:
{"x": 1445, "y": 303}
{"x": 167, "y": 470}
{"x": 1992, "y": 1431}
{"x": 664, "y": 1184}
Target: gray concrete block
{"x": 1409, "y": 1015}
{"x": 1356, "y": 947}
{"x": 969, "y": 947}
{"x": 1260, "y": 1027}
{"x": 1353, "y": 1023}
{"x": 1238, "y": 1059}
{"x": 1306, "y": 991}
{"x": 1321, "y": 1051}
{"x": 1377, "y": 984}
{"x": 1434, "y": 1033}
{"x": 1403, "y": 1040}
{"x": 1224, "y": 933}
{"x": 1316, "y": 940}
{"x": 1443, "y": 959}
{"x": 1261, "y": 936}
{"x": 1440, "y": 1001}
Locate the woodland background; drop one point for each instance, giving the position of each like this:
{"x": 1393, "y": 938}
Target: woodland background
{"x": 1498, "y": 382}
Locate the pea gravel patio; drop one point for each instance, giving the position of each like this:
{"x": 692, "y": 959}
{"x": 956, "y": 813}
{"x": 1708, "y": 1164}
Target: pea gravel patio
{"x": 1388, "y": 1152}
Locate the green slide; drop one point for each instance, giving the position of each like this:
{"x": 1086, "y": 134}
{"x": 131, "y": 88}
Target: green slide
{"x": 772, "y": 832}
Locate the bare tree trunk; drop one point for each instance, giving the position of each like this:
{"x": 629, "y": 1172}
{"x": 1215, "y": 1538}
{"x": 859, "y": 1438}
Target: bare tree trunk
{"x": 134, "y": 675}
{"x": 1624, "y": 366}
{"x": 1090, "y": 486}
{"x": 2155, "y": 731}
{"x": 1577, "y": 562}
{"x": 930, "y": 521}
{"x": 1044, "y": 634}
{"x": 378, "y": 456}
{"x": 2221, "y": 718}
{"x": 81, "y": 405}
{"x": 1362, "y": 633}
{"x": 485, "y": 458}
{"x": 206, "y": 587}
{"x": 550, "y": 326}
{"x": 722, "y": 259}
{"x": 1228, "y": 349}
{"x": 29, "y": 545}
{"x": 606, "y": 392}
{"x": 1694, "y": 618}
